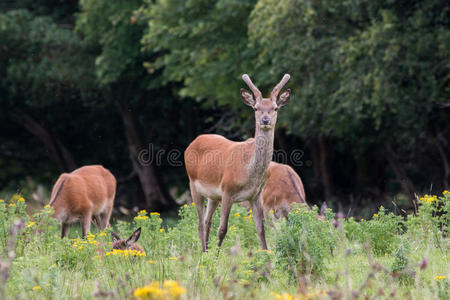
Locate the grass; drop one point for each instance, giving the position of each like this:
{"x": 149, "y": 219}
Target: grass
{"x": 385, "y": 257}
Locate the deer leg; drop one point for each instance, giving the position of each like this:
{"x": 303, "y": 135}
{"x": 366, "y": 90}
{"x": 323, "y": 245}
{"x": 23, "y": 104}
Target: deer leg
{"x": 86, "y": 223}
{"x": 259, "y": 221}
{"x": 224, "y": 215}
{"x": 104, "y": 218}
{"x": 64, "y": 229}
{"x": 210, "y": 209}
{"x": 199, "y": 205}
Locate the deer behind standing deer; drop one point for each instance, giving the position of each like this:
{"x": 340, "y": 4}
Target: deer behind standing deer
{"x": 225, "y": 171}
{"x": 85, "y": 194}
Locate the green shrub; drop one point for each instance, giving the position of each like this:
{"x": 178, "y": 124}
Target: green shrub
{"x": 304, "y": 242}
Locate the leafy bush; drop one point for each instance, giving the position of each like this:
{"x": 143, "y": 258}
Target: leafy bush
{"x": 304, "y": 242}
{"x": 380, "y": 232}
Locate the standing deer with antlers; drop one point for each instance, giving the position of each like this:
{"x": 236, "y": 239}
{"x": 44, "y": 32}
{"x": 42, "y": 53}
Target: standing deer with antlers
{"x": 227, "y": 172}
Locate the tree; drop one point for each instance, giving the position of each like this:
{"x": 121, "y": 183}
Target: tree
{"x": 113, "y": 35}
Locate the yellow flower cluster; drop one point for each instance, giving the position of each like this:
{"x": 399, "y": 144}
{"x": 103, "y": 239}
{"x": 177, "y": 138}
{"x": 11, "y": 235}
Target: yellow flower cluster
{"x": 170, "y": 290}
{"x": 79, "y": 244}
{"x": 154, "y": 213}
{"x": 126, "y": 253}
{"x": 30, "y": 224}
{"x": 237, "y": 215}
{"x": 446, "y": 192}
{"x": 249, "y": 217}
{"x": 375, "y": 215}
{"x": 439, "y": 277}
{"x": 429, "y": 198}
{"x": 37, "y": 288}
{"x": 91, "y": 239}
{"x": 310, "y": 295}
{"x": 142, "y": 215}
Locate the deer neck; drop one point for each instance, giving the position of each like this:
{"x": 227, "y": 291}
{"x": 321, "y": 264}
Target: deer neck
{"x": 263, "y": 152}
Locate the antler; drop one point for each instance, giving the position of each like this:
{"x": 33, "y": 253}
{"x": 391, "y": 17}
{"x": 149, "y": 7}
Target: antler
{"x": 276, "y": 90}
{"x": 250, "y": 84}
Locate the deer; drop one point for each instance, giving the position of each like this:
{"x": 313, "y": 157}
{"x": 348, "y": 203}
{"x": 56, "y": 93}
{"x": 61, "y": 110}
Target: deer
{"x": 227, "y": 172}
{"x": 85, "y": 194}
{"x": 283, "y": 187}
{"x": 128, "y": 244}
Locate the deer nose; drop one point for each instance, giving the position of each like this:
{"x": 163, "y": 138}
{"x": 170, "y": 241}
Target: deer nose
{"x": 265, "y": 120}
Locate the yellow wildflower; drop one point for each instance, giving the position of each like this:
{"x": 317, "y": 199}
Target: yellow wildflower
{"x": 12, "y": 204}
{"x": 249, "y": 272}
{"x": 151, "y": 261}
{"x": 439, "y": 277}
{"x": 30, "y": 224}
{"x": 125, "y": 253}
{"x": 154, "y": 213}
{"x": 271, "y": 211}
{"x": 446, "y": 192}
{"x": 237, "y": 215}
{"x": 173, "y": 258}
{"x": 142, "y": 212}
{"x": 1, "y": 200}
{"x": 193, "y": 204}
{"x": 47, "y": 206}
{"x": 102, "y": 233}
{"x": 141, "y": 217}
{"x": 162, "y": 230}
{"x": 375, "y": 215}
{"x": 37, "y": 288}
{"x": 174, "y": 289}
{"x": 21, "y": 199}
{"x": 185, "y": 205}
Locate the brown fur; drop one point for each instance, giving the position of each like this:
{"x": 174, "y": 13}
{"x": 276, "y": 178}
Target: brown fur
{"x": 283, "y": 187}
{"x": 129, "y": 243}
{"x": 225, "y": 171}
{"x": 86, "y": 193}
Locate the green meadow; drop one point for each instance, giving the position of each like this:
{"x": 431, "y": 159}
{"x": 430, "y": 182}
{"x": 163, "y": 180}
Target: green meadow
{"x": 388, "y": 256}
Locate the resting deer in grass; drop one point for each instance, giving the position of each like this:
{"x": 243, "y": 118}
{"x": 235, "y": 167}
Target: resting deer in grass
{"x": 283, "y": 187}
{"x": 128, "y": 244}
{"x": 84, "y": 194}
{"x": 227, "y": 172}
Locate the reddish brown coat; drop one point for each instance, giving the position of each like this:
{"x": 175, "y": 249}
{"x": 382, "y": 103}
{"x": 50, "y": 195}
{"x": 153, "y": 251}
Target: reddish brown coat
{"x": 86, "y": 193}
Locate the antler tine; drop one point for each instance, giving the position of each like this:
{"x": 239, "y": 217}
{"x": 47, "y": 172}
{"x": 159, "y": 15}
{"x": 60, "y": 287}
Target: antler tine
{"x": 250, "y": 84}
{"x": 276, "y": 90}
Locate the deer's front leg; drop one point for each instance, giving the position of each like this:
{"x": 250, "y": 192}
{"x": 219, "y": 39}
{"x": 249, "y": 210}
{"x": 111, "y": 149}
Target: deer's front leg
{"x": 259, "y": 221}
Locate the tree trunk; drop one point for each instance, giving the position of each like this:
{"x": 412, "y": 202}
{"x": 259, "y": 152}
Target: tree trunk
{"x": 401, "y": 176}
{"x": 156, "y": 196}
{"x": 324, "y": 171}
{"x": 56, "y": 151}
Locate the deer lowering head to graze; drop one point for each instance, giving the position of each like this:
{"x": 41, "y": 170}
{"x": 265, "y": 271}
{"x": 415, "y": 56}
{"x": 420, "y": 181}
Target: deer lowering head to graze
{"x": 283, "y": 187}
{"x": 225, "y": 171}
{"x": 128, "y": 244}
{"x": 85, "y": 194}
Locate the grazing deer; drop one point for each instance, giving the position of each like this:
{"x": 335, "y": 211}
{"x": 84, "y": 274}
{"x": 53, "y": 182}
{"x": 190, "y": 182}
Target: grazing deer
{"x": 129, "y": 243}
{"x": 86, "y": 193}
{"x": 283, "y": 187}
{"x": 227, "y": 172}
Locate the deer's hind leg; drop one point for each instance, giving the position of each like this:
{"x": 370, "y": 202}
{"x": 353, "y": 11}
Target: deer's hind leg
{"x": 224, "y": 216}
{"x": 210, "y": 209}
{"x": 199, "y": 206}
{"x": 86, "y": 223}
{"x": 64, "y": 229}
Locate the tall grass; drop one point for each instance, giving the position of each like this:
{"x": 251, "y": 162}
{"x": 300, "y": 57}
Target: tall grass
{"x": 387, "y": 256}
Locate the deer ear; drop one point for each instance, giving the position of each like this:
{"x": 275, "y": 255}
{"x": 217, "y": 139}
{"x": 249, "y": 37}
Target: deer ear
{"x": 283, "y": 99}
{"x": 134, "y": 237}
{"x": 247, "y": 98}
{"x": 115, "y": 237}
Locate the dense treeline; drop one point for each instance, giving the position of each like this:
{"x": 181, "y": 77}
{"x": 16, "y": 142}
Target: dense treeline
{"x": 122, "y": 82}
